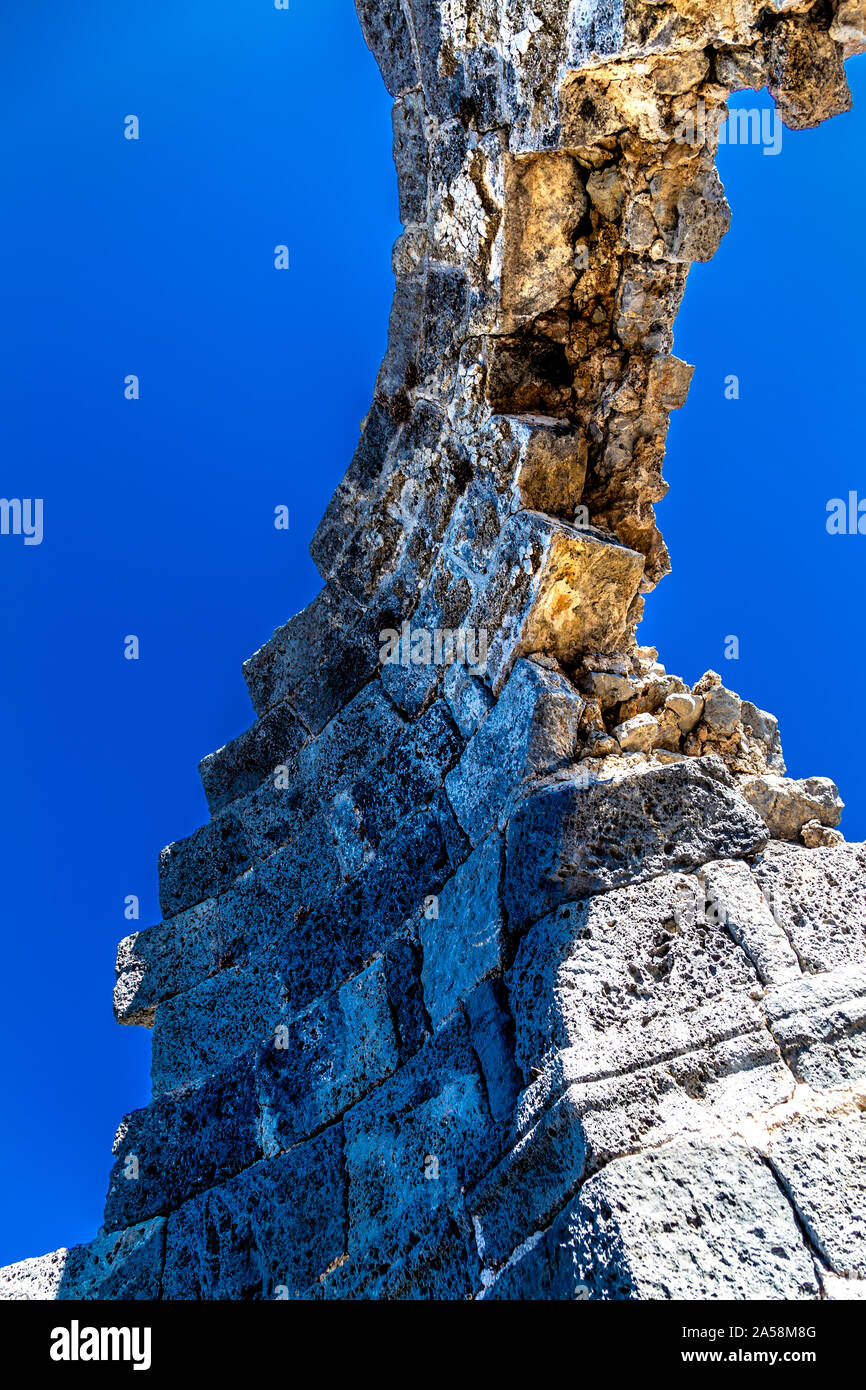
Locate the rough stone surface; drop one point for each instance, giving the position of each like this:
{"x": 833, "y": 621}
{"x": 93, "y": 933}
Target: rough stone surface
{"x": 506, "y": 964}
{"x": 704, "y": 1221}
{"x": 788, "y": 806}
{"x": 570, "y": 840}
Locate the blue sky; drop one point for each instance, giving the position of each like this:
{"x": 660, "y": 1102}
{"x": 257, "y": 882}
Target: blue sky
{"x": 155, "y": 257}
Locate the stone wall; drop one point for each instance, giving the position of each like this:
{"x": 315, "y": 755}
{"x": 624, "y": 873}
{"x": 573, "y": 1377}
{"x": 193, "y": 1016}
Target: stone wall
{"x": 508, "y": 966}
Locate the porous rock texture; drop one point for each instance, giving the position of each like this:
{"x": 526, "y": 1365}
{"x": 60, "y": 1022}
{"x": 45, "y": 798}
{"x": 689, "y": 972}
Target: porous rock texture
{"x": 520, "y": 971}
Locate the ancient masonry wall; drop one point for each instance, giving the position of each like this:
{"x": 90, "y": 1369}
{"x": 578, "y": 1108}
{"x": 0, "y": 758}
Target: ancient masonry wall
{"x": 533, "y": 977}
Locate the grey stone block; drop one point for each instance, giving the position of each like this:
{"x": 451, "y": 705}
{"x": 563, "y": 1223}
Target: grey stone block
{"x": 491, "y": 1029}
{"x": 441, "y": 1264}
{"x": 820, "y": 1161}
{"x": 198, "y": 1033}
{"x": 121, "y": 1266}
{"x": 247, "y": 760}
{"x": 181, "y": 1144}
{"x": 468, "y": 698}
{"x": 532, "y": 731}
{"x": 641, "y": 960}
{"x": 324, "y": 1059}
{"x": 164, "y": 960}
{"x": 462, "y": 943}
{"x": 570, "y": 840}
{"x": 416, "y": 1141}
{"x": 408, "y": 777}
{"x": 387, "y": 34}
{"x": 819, "y": 1022}
{"x": 703, "y": 1221}
{"x": 523, "y": 1193}
{"x": 267, "y": 1234}
{"x": 317, "y": 661}
{"x": 737, "y": 902}
{"x": 818, "y": 897}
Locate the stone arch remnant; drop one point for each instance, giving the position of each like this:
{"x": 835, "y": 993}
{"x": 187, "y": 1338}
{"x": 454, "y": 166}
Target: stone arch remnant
{"x": 529, "y": 975}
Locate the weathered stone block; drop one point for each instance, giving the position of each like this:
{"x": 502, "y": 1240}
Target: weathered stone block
{"x": 387, "y": 34}
{"x": 818, "y": 897}
{"x": 735, "y": 900}
{"x": 266, "y": 1234}
{"x": 787, "y": 805}
{"x": 124, "y": 1266}
{"x": 317, "y": 661}
{"x": 569, "y": 840}
{"x": 463, "y": 943}
{"x": 200, "y": 866}
{"x": 819, "y": 1160}
{"x": 545, "y": 201}
{"x": 416, "y": 1141}
{"x": 164, "y": 960}
{"x": 553, "y": 467}
{"x": 552, "y": 588}
{"x": 336, "y": 937}
{"x": 442, "y": 1264}
{"x": 532, "y": 731}
{"x": 198, "y": 1033}
{"x": 182, "y": 1144}
{"x": 639, "y": 959}
{"x": 525, "y": 1190}
{"x": 410, "y": 157}
{"x": 408, "y": 777}
{"x": 324, "y": 1059}
{"x": 702, "y": 1221}
{"x": 819, "y": 1022}
{"x": 244, "y": 763}
{"x": 468, "y": 698}
{"x": 491, "y": 1029}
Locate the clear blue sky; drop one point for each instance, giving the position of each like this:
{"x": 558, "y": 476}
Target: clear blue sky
{"x": 155, "y": 257}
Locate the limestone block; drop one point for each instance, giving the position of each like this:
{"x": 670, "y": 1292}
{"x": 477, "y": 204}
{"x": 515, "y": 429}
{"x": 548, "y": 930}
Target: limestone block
{"x": 807, "y": 75}
{"x": 408, "y": 777}
{"x": 637, "y": 735}
{"x": 387, "y": 34}
{"x": 462, "y": 940}
{"x": 819, "y": 1160}
{"x": 442, "y": 1263}
{"x": 525, "y": 1190}
{"x": 569, "y": 841}
{"x": 545, "y": 201}
{"x": 266, "y": 1234}
{"x": 764, "y": 728}
{"x": 324, "y": 1059}
{"x": 532, "y": 731}
{"x": 554, "y": 589}
{"x": 702, "y": 1221}
{"x": 787, "y": 805}
{"x": 468, "y": 698}
{"x": 818, "y": 897}
{"x": 819, "y": 1021}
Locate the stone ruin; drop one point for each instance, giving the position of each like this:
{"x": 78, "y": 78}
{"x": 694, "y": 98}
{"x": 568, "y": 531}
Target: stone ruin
{"x": 507, "y": 965}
